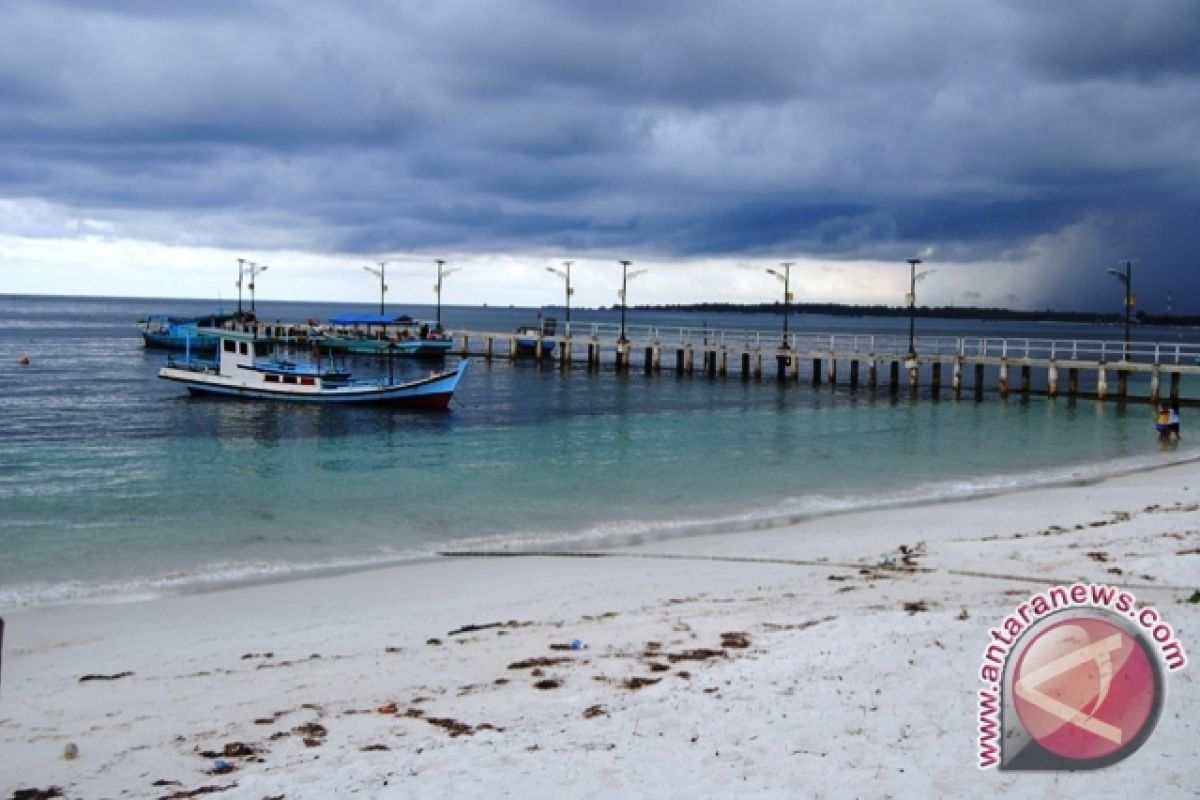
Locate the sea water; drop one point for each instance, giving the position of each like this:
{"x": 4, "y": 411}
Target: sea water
{"x": 115, "y": 484}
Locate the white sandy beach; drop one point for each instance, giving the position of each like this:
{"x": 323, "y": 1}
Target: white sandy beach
{"x": 725, "y": 672}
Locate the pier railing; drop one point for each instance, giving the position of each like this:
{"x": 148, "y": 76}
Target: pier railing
{"x": 883, "y": 345}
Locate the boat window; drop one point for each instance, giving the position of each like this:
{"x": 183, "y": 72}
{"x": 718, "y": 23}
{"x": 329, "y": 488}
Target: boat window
{"x": 229, "y": 345}
{"x": 242, "y": 350}
{"x": 272, "y": 379}
{"x": 289, "y": 378}
{"x": 307, "y": 382}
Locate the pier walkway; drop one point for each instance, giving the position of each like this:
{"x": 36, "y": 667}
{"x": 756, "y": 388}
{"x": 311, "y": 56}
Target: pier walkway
{"x": 1071, "y": 367}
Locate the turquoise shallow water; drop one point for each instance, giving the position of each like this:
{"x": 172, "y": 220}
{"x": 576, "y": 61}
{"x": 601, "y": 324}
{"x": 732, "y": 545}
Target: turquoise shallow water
{"x": 115, "y": 484}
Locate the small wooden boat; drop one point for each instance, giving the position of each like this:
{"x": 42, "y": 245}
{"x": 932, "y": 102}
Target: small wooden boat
{"x": 171, "y": 332}
{"x": 247, "y": 369}
{"x": 529, "y": 336}
{"x": 385, "y": 335}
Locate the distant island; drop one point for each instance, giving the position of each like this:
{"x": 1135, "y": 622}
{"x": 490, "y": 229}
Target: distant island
{"x": 930, "y": 312}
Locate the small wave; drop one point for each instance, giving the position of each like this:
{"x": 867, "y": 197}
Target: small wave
{"x": 608, "y": 534}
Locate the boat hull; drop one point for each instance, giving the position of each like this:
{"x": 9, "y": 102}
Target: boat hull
{"x": 162, "y": 341}
{"x": 433, "y": 393}
{"x": 385, "y": 347}
{"x": 528, "y": 347}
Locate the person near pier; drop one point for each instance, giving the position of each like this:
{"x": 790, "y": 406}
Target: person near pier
{"x": 1163, "y": 425}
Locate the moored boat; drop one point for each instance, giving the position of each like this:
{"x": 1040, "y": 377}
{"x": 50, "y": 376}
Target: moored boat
{"x": 528, "y": 337}
{"x": 246, "y": 368}
{"x": 385, "y": 334}
{"x": 170, "y": 332}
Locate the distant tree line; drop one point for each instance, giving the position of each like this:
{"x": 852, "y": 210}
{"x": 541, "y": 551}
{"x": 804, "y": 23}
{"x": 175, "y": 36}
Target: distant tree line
{"x": 939, "y": 312}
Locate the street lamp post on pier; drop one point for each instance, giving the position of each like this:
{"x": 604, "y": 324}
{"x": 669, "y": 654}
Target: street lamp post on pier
{"x": 254, "y": 270}
{"x": 380, "y": 273}
{"x": 785, "y": 277}
{"x": 565, "y": 273}
{"x": 241, "y": 274}
{"x": 626, "y": 276}
{"x": 914, "y": 278}
{"x": 442, "y": 272}
{"x": 1126, "y": 278}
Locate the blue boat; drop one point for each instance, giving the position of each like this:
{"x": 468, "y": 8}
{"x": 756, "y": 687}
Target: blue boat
{"x": 528, "y": 337}
{"x": 170, "y": 332}
{"x": 247, "y": 368}
{"x": 385, "y": 335}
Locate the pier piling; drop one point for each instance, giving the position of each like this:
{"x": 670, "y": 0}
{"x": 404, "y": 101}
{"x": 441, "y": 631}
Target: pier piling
{"x": 1141, "y": 362}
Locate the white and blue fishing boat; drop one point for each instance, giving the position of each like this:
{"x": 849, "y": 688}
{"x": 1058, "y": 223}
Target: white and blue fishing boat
{"x": 385, "y": 335}
{"x": 246, "y": 368}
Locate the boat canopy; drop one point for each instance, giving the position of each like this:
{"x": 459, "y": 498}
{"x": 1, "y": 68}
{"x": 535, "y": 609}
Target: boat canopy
{"x": 371, "y": 319}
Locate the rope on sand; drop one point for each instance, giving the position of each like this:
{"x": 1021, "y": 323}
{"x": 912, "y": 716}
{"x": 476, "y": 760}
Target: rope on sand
{"x": 796, "y": 562}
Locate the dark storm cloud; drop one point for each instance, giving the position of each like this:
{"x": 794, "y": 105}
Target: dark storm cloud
{"x": 991, "y": 132}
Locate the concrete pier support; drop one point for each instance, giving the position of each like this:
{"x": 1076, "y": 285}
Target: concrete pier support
{"x": 1101, "y": 383}
{"x": 1052, "y": 381}
{"x": 914, "y": 375}
{"x": 956, "y": 377}
{"x": 487, "y": 348}
{"x": 1026, "y": 373}
{"x": 512, "y": 348}
{"x": 657, "y": 357}
{"x": 1122, "y": 383}
{"x": 466, "y": 346}
{"x": 831, "y": 373}
{"x": 537, "y": 350}
{"x": 758, "y": 365}
{"x": 723, "y": 366}
{"x": 872, "y": 373}
{"x": 1154, "y": 383}
{"x": 782, "y": 364}
{"x": 564, "y": 355}
{"x": 622, "y": 355}
{"x": 1003, "y": 379}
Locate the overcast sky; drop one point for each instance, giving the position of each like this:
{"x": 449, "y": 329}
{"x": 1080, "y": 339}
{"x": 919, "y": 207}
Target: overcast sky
{"x": 1020, "y": 147}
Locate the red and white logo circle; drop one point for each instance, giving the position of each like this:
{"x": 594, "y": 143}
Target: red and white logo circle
{"x": 1084, "y": 688}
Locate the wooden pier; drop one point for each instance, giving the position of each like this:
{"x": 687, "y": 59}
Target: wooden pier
{"x": 1099, "y": 369}
{"x": 1050, "y": 367}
